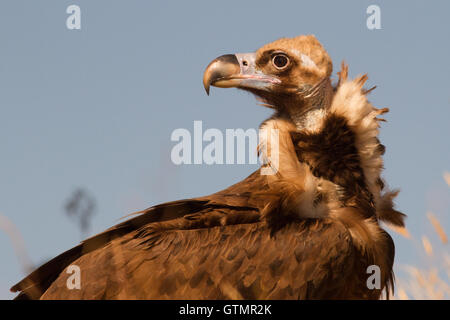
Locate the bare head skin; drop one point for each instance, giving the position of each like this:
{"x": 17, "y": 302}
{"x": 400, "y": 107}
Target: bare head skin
{"x": 291, "y": 75}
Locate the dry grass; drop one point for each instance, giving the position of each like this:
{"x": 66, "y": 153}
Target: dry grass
{"x": 447, "y": 177}
{"x": 433, "y": 281}
{"x": 17, "y": 242}
{"x": 437, "y": 227}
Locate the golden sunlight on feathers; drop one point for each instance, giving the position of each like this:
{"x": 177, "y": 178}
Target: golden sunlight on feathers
{"x": 309, "y": 231}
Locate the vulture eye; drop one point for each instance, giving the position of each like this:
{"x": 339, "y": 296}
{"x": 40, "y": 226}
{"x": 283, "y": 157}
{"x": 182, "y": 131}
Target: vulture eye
{"x": 280, "y": 61}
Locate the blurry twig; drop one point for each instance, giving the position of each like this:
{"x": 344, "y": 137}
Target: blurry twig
{"x": 81, "y": 206}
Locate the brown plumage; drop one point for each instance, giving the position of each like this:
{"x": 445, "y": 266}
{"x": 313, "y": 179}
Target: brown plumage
{"x": 308, "y": 231}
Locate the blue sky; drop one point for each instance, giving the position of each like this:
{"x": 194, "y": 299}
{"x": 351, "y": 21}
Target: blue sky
{"x": 95, "y": 108}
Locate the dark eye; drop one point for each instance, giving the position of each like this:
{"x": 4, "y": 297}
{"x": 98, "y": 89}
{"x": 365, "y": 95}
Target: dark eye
{"x": 280, "y": 61}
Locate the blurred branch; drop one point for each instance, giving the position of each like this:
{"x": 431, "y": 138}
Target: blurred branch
{"x": 81, "y": 207}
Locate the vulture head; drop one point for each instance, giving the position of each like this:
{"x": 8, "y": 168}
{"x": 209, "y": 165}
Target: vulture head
{"x": 291, "y": 75}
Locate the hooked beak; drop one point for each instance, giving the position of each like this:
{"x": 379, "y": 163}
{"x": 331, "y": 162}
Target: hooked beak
{"x": 237, "y": 71}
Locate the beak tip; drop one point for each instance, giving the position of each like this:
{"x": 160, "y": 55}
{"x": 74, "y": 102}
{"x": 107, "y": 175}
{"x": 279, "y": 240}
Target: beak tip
{"x": 206, "y": 82}
{"x": 220, "y": 68}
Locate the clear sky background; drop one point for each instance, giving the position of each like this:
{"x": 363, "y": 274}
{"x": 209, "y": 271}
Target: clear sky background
{"x": 94, "y": 108}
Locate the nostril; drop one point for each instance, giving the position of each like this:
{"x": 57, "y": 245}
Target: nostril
{"x": 245, "y": 63}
